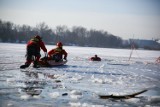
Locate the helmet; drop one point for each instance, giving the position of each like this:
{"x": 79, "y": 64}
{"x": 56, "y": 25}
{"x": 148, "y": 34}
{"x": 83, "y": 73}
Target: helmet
{"x": 38, "y": 37}
{"x": 59, "y": 44}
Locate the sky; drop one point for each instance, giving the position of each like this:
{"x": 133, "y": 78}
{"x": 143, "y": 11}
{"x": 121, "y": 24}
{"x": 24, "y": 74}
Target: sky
{"x": 138, "y": 19}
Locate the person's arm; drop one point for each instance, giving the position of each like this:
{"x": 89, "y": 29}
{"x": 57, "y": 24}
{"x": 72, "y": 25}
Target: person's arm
{"x": 65, "y": 54}
{"x": 43, "y": 46}
{"x": 51, "y": 52}
{"x": 92, "y": 58}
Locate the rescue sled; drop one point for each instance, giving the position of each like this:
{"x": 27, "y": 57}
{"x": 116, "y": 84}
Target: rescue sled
{"x": 51, "y": 63}
{"x": 122, "y": 96}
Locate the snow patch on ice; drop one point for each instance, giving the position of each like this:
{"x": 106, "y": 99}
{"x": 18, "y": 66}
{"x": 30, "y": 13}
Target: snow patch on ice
{"x": 54, "y": 94}
{"x": 78, "y": 104}
{"x": 77, "y": 77}
{"x": 9, "y": 80}
{"x": 75, "y": 94}
{"x": 98, "y": 80}
{"x": 25, "y": 97}
{"x": 10, "y": 105}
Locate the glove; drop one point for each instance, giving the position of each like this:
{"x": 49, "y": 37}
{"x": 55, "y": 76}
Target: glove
{"x": 65, "y": 58}
{"x": 46, "y": 55}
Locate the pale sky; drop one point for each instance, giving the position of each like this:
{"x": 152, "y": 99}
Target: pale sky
{"x": 123, "y": 18}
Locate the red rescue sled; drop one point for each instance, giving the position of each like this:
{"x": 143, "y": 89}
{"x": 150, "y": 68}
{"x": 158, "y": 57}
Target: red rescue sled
{"x": 51, "y": 63}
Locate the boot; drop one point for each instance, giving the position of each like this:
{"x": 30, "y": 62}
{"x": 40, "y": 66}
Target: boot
{"x": 24, "y": 66}
{"x": 27, "y": 63}
{"x": 35, "y": 65}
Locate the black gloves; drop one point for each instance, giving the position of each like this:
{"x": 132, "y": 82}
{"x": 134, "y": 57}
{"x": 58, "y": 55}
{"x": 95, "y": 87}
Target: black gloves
{"x": 65, "y": 58}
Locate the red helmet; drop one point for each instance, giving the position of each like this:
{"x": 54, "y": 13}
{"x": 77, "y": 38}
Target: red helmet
{"x": 38, "y": 37}
{"x": 59, "y": 44}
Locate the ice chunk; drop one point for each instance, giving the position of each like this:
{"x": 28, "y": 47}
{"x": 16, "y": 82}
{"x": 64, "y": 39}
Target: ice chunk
{"x": 97, "y": 80}
{"x": 75, "y": 92}
{"x": 75, "y": 104}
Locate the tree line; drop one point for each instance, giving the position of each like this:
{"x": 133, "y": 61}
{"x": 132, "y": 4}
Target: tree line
{"x": 77, "y": 35}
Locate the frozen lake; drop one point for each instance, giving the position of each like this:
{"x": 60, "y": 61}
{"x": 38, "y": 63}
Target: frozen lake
{"x": 80, "y": 81}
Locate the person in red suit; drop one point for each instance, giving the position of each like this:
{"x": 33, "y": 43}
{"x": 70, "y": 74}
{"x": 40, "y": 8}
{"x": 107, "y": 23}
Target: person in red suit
{"x": 95, "y": 58}
{"x": 33, "y": 50}
{"x": 57, "y": 53}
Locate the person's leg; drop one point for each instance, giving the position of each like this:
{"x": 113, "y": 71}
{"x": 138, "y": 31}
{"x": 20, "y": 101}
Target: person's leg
{"x": 37, "y": 57}
{"x": 29, "y": 54}
{"x": 28, "y": 60}
{"x": 57, "y": 57}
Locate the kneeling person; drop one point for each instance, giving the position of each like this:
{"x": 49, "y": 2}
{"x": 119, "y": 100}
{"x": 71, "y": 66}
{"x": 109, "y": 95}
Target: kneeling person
{"x": 33, "y": 49}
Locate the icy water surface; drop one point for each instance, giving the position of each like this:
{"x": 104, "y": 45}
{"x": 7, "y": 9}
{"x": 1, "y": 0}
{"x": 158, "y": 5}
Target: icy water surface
{"x": 80, "y": 81}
